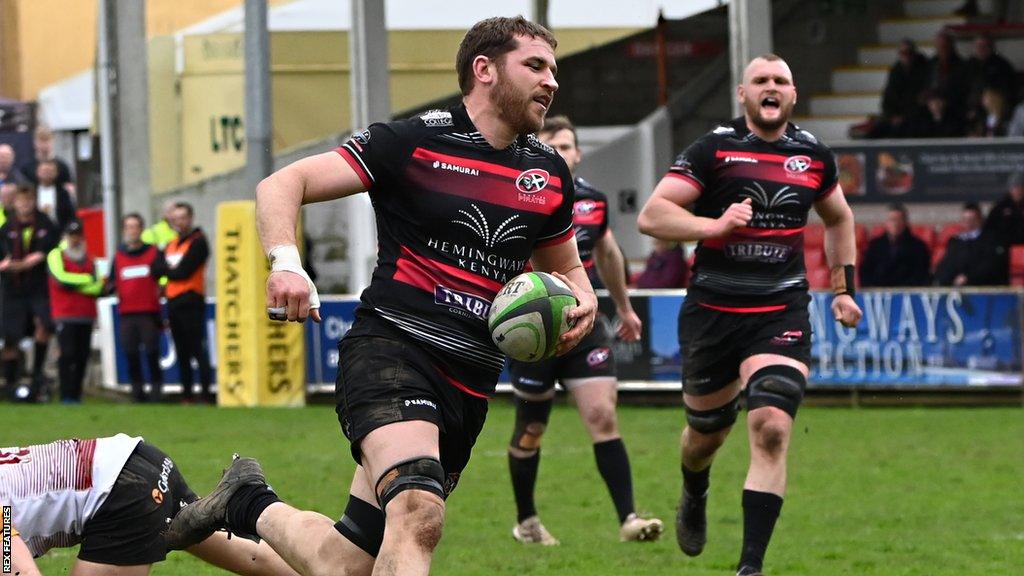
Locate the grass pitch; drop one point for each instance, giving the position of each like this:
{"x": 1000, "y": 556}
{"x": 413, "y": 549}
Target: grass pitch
{"x": 893, "y": 492}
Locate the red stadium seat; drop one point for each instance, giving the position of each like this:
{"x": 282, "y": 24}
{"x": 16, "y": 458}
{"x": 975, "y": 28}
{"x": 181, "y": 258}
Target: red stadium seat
{"x": 819, "y": 278}
{"x": 1017, "y": 265}
{"x": 814, "y": 236}
{"x": 925, "y": 232}
{"x": 814, "y": 257}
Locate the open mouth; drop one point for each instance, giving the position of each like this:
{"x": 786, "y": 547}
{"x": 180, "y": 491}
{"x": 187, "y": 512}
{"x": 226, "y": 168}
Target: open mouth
{"x": 543, "y": 100}
{"x": 771, "y": 103}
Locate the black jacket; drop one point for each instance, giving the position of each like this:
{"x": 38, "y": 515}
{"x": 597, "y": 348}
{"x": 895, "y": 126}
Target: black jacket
{"x": 905, "y": 262}
{"x": 44, "y": 237}
{"x": 981, "y": 260}
{"x": 1005, "y": 222}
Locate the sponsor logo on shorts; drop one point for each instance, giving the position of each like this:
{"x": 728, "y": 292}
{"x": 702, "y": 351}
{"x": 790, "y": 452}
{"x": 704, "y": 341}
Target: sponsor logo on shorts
{"x": 451, "y": 482}
{"x": 797, "y": 164}
{"x": 529, "y": 382}
{"x": 462, "y": 301}
{"x": 788, "y": 338}
{"x": 163, "y": 485}
{"x": 420, "y": 402}
{"x": 598, "y": 356}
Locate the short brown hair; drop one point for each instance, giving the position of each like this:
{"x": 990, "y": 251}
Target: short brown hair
{"x": 555, "y": 124}
{"x": 493, "y": 38}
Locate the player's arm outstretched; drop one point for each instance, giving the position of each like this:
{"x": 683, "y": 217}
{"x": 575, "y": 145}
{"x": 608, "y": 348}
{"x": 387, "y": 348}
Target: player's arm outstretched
{"x": 841, "y": 254}
{"x": 664, "y": 216}
{"x": 278, "y": 198}
{"x": 563, "y": 260}
{"x": 611, "y": 268}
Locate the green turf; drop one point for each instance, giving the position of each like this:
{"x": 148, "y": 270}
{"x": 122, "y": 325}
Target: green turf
{"x": 872, "y": 492}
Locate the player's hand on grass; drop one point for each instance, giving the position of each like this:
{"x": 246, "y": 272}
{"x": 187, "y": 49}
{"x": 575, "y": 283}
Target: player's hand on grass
{"x": 583, "y": 315}
{"x": 629, "y": 325}
{"x": 845, "y": 310}
{"x": 291, "y": 295}
{"x": 735, "y": 216}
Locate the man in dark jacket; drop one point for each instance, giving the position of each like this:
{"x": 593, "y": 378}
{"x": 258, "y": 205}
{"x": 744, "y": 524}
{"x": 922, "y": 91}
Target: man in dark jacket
{"x": 1005, "y": 223}
{"x": 25, "y": 240}
{"x": 971, "y": 258}
{"x": 897, "y": 257}
{"x": 901, "y": 101}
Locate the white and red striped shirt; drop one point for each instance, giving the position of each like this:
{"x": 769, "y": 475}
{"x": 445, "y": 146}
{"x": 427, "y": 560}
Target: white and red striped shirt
{"x": 55, "y": 488}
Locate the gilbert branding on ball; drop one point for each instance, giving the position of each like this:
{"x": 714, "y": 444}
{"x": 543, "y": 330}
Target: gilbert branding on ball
{"x": 529, "y": 315}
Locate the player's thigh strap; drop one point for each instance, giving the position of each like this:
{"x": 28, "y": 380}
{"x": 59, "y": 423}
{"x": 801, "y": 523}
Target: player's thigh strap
{"x": 363, "y": 525}
{"x": 778, "y": 385}
{"x": 709, "y": 421}
{"x": 531, "y": 422}
{"x": 422, "y": 473}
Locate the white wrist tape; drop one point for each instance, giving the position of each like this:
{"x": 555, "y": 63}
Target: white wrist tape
{"x": 285, "y": 258}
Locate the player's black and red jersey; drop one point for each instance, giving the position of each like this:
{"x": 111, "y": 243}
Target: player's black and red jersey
{"x": 456, "y": 219}
{"x": 760, "y": 267}
{"x": 590, "y": 220}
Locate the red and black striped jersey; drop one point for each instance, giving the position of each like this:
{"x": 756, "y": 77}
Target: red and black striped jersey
{"x": 759, "y": 267}
{"x": 590, "y": 221}
{"x": 456, "y": 219}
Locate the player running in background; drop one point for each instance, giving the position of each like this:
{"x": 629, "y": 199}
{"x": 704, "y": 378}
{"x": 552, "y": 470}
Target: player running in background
{"x": 588, "y": 371}
{"x": 463, "y": 199}
{"x": 744, "y": 326}
{"x": 115, "y": 496}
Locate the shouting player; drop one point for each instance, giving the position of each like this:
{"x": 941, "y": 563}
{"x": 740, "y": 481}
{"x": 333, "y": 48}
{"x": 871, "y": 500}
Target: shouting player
{"x": 744, "y": 324}
{"x": 115, "y": 496}
{"x": 463, "y": 199}
{"x": 588, "y": 372}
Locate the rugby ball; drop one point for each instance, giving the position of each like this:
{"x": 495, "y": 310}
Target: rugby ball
{"x": 529, "y": 314}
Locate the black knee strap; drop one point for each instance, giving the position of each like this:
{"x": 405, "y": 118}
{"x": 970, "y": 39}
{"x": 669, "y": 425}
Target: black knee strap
{"x": 363, "y": 525}
{"x": 422, "y": 473}
{"x": 708, "y": 421}
{"x": 531, "y": 420}
{"x": 778, "y": 385}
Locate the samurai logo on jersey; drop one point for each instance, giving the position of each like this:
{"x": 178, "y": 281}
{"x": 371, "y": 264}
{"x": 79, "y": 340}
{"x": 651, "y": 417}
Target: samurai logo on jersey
{"x": 758, "y": 252}
{"x": 456, "y": 168}
{"x": 461, "y": 302}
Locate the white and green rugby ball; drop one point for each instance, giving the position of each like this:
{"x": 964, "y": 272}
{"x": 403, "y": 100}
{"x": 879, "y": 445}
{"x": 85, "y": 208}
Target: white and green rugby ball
{"x": 529, "y": 315}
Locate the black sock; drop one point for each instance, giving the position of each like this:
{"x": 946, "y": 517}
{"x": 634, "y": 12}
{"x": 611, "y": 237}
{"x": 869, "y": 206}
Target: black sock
{"x": 696, "y": 483}
{"x": 245, "y": 508}
{"x": 613, "y": 463}
{"x": 760, "y": 511}
{"x": 11, "y": 372}
{"x": 38, "y": 358}
{"x": 524, "y": 478}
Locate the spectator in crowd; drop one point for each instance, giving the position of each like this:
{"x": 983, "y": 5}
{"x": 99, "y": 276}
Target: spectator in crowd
{"x": 7, "y": 192}
{"x": 1005, "y": 222}
{"x": 934, "y": 120}
{"x": 8, "y": 173}
{"x": 994, "y": 118}
{"x": 135, "y": 277}
{"x": 897, "y": 257}
{"x": 42, "y": 142}
{"x": 988, "y": 69}
{"x": 1016, "y": 125}
{"x": 186, "y": 258}
{"x": 25, "y": 240}
{"x": 161, "y": 233}
{"x": 73, "y": 291}
{"x": 666, "y": 267}
{"x": 972, "y": 258}
{"x": 901, "y": 101}
{"x": 53, "y": 200}
{"x": 947, "y": 74}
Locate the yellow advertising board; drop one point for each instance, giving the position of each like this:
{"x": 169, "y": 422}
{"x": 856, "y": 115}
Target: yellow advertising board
{"x": 260, "y": 362}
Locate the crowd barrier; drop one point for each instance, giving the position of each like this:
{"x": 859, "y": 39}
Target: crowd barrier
{"x": 908, "y": 339}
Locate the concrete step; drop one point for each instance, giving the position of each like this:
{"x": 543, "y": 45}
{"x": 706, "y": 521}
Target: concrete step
{"x": 859, "y": 79}
{"x": 886, "y": 54}
{"x": 853, "y": 103}
{"x": 918, "y": 29}
{"x": 828, "y": 129}
{"x": 928, "y": 8}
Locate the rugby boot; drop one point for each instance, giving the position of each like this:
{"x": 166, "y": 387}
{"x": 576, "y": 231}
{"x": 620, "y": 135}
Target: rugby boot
{"x": 200, "y": 519}
{"x": 637, "y": 529}
{"x": 749, "y": 571}
{"x": 531, "y": 531}
{"x": 692, "y": 523}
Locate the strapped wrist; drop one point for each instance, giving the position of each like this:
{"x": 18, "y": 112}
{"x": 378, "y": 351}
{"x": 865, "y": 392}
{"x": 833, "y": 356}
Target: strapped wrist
{"x": 844, "y": 280}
